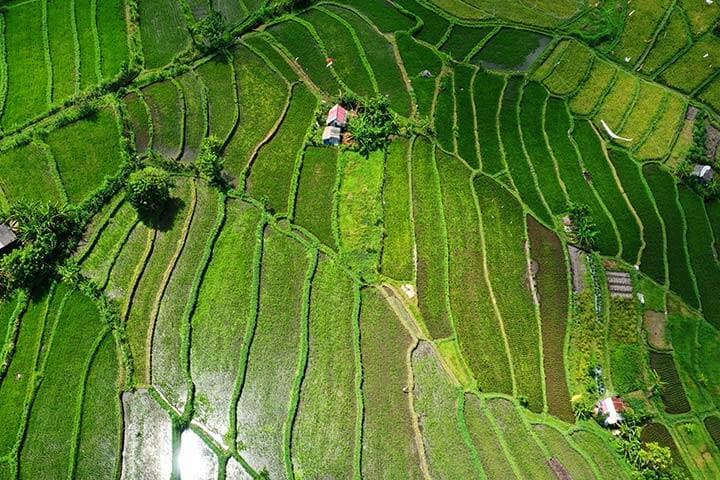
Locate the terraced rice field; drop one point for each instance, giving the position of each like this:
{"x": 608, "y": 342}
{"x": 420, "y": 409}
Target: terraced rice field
{"x": 317, "y": 312}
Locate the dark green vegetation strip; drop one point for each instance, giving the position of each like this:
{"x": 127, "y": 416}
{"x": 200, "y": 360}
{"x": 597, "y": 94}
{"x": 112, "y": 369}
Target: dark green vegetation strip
{"x": 603, "y": 179}
{"x": 340, "y": 46}
{"x": 503, "y": 223}
{"x": 224, "y": 306}
{"x": 517, "y": 162}
{"x": 470, "y": 300}
{"x": 322, "y": 419}
{"x": 609, "y": 463}
{"x": 573, "y": 462}
{"x": 627, "y": 354}
{"x": 552, "y": 288}
{"x": 464, "y": 76}
{"x": 85, "y": 30}
{"x": 433, "y": 27}
{"x": 166, "y": 108}
{"x": 195, "y": 115}
{"x": 163, "y": 31}
{"x": 397, "y": 260}
{"x": 417, "y": 58}
{"x": 382, "y": 13}
{"x": 262, "y": 99}
{"x": 557, "y": 126}
{"x": 662, "y": 185}
{"x": 523, "y": 447}
{"x": 98, "y": 450}
{"x": 713, "y": 212}
{"x": 435, "y": 400}
{"x": 532, "y": 115}
{"x": 140, "y": 121}
{"x": 712, "y": 424}
{"x": 381, "y": 56}
{"x": 262, "y": 45}
{"x": 485, "y": 440}
{"x": 673, "y": 393}
{"x": 120, "y": 281}
{"x": 62, "y": 50}
{"x": 652, "y": 262}
{"x": 487, "y": 93}
{"x": 445, "y": 112}
{"x": 272, "y": 171}
{"x": 511, "y": 49}
{"x": 28, "y": 162}
{"x": 49, "y": 439}
{"x": 462, "y": 40}
{"x": 112, "y": 32}
{"x": 389, "y": 446}
{"x": 699, "y": 238}
{"x": 26, "y": 92}
{"x": 430, "y": 241}
{"x": 267, "y": 385}
{"x": 218, "y": 77}
{"x": 315, "y": 198}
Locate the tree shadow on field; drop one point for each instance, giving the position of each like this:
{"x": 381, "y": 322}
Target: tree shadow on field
{"x": 164, "y": 220}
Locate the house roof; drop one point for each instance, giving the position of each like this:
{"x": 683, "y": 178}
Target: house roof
{"x": 337, "y": 114}
{"x": 703, "y": 171}
{"x": 331, "y": 132}
{"x": 7, "y": 236}
{"x": 611, "y": 407}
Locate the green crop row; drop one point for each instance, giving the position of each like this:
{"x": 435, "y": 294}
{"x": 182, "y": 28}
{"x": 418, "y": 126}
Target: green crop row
{"x": 627, "y": 355}
{"x": 398, "y": 244}
{"x": 673, "y": 393}
{"x": 417, "y": 58}
{"x": 486, "y": 441}
{"x": 511, "y": 50}
{"x": 573, "y": 68}
{"x": 163, "y": 31}
{"x": 639, "y": 30}
{"x": 383, "y": 14}
{"x": 608, "y": 462}
{"x": 432, "y": 26}
{"x": 444, "y": 114}
{"x": 487, "y": 93}
{"x": 465, "y": 115}
{"x": 218, "y": 77}
{"x": 165, "y": 103}
{"x": 669, "y": 43}
{"x": 571, "y": 459}
{"x": 462, "y": 40}
{"x": 657, "y": 432}
{"x": 196, "y": 114}
{"x": 262, "y": 47}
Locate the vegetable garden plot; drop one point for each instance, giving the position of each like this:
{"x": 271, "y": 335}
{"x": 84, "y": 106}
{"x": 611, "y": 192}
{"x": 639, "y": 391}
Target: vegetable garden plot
{"x": 163, "y": 31}
{"x": 99, "y": 445}
{"x": 261, "y": 104}
{"x": 557, "y": 127}
{"x": 271, "y": 174}
{"x": 274, "y": 348}
{"x": 112, "y": 37}
{"x": 532, "y": 114}
{"x": 389, "y": 448}
{"x": 16, "y": 386}
{"x": 699, "y": 237}
{"x": 167, "y": 371}
{"x": 673, "y": 393}
{"x": 433, "y": 26}
{"x": 360, "y": 210}
{"x": 525, "y": 450}
{"x": 218, "y": 77}
{"x": 662, "y": 185}
{"x": 487, "y": 95}
{"x": 196, "y": 115}
{"x": 430, "y": 241}
{"x": 26, "y": 96}
{"x": 139, "y": 120}
{"x": 226, "y": 304}
{"x": 609, "y": 464}
{"x": 682, "y": 333}
{"x": 465, "y": 113}
{"x": 511, "y": 50}
{"x": 546, "y": 250}
{"x": 303, "y": 48}
{"x": 712, "y": 425}
{"x": 569, "y": 73}
{"x": 626, "y": 353}
{"x": 339, "y": 44}
{"x": 560, "y": 449}
{"x": 48, "y": 444}
{"x": 672, "y": 39}
{"x": 639, "y": 30}
{"x": 383, "y": 63}
{"x": 26, "y": 173}
{"x": 603, "y": 179}
{"x": 397, "y": 260}
{"x": 657, "y": 432}
{"x": 167, "y": 109}
{"x": 324, "y": 427}
{"x": 261, "y": 45}
{"x": 61, "y": 43}
{"x": 463, "y": 40}
{"x": 436, "y": 404}
{"x": 694, "y": 66}
{"x": 485, "y": 441}
{"x": 383, "y": 14}
{"x": 445, "y": 112}
{"x": 518, "y": 164}
{"x": 598, "y": 81}
{"x": 314, "y": 205}
{"x": 89, "y": 57}
{"x": 417, "y": 58}
{"x": 478, "y": 328}
{"x": 503, "y": 224}
{"x": 143, "y": 304}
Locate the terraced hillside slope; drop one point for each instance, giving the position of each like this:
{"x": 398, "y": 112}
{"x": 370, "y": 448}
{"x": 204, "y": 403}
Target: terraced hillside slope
{"x": 455, "y": 304}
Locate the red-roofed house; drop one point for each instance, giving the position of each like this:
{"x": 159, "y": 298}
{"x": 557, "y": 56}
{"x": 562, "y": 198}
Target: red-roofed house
{"x": 611, "y": 408}
{"x": 337, "y": 117}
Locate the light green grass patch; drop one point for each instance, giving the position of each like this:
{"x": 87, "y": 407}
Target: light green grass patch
{"x": 217, "y": 76}
{"x": 698, "y": 63}
{"x": 316, "y": 193}
{"x": 661, "y": 140}
{"x": 163, "y": 31}
{"x": 673, "y": 38}
{"x": 570, "y": 72}
{"x": 398, "y": 244}
{"x": 591, "y": 92}
{"x": 26, "y": 175}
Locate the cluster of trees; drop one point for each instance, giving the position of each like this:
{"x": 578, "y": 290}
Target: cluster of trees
{"x": 582, "y": 228}
{"x": 373, "y": 124}
{"x": 698, "y": 154}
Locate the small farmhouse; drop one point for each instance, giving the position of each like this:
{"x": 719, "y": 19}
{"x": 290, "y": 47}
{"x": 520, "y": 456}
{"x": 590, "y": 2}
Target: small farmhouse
{"x": 337, "y": 117}
{"x": 611, "y": 408}
{"x": 7, "y": 238}
{"x": 704, "y": 173}
{"x": 331, "y": 136}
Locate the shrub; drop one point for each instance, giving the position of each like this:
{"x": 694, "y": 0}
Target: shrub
{"x": 148, "y": 190}
{"x": 209, "y": 163}
{"x": 583, "y": 228}
{"x": 373, "y": 125}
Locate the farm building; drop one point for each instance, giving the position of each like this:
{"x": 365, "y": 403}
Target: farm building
{"x": 7, "y": 238}
{"x": 704, "y": 173}
{"x": 337, "y": 117}
{"x": 611, "y": 408}
{"x": 331, "y": 136}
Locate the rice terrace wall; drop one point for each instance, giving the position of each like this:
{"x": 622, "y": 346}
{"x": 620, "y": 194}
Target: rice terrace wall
{"x": 430, "y": 309}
